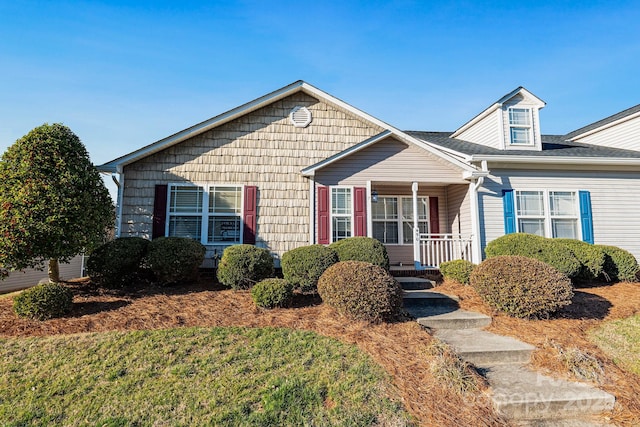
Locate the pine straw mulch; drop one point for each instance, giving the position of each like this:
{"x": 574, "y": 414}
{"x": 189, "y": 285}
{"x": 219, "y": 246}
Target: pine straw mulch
{"x": 400, "y": 348}
{"x": 568, "y": 329}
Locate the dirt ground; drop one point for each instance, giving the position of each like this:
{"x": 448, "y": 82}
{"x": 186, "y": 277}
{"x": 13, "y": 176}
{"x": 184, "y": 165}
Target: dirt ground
{"x": 401, "y": 348}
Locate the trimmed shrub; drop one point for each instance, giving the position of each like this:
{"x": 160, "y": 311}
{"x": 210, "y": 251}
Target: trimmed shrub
{"x": 302, "y": 267}
{"x": 540, "y": 248}
{"x": 174, "y": 259}
{"x": 620, "y": 265}
{"x": 242, "y": 266}
{"x": 271, "y": 293}
{"x": 458, "y": 270}
{"x": 44, "y": 301}
{"x": 521, "y": 287}
{"x": 361, "y": 291}
{"x": 365, "y": 249}
{"x": 590, "y": 256}
{"x": 118, "y": 263}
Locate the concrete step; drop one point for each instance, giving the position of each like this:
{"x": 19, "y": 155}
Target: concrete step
{"x": 483, "y": 348}
{"x": 414, "y": 283}
{"x": 432, "y": 296}
{"x": 457, "y": 319}
{"x": 520, "y": 393}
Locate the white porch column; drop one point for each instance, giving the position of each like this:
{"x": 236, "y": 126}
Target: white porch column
{"x": 416, "y": 230}
{"x": 369, "y": 213}
{"x": 312, "y": 210}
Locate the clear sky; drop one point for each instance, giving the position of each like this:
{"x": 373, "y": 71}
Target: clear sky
{"x": 123, "y": 74}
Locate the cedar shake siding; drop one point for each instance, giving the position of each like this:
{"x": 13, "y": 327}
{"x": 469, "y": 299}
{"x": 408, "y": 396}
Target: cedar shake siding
{"x": 261, "y": 149}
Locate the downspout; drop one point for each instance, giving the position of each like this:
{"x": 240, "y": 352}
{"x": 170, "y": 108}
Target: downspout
{"x": 476, "y": 250}
{"x": 118, "y": 178}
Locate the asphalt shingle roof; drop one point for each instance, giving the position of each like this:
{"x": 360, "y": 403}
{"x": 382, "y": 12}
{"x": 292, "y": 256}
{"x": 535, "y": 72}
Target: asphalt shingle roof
{"x": 605, "y": 121}
{"x": 552, "y": 145}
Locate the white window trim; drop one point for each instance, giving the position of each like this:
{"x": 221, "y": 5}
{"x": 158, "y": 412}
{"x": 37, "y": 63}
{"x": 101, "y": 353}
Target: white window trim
{"x": 529, "y": 127}
{"x": 548, "y": 229}
{"x": 400, "y": 220}
{"x": 332, "y": 215}
{"x": 205, "y": 214}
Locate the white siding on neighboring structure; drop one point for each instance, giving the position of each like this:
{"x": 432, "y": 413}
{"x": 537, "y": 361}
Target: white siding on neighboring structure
{"x": 30, "y": 277}
{"x": 615, "y": 201}
{"x": 625, "y": 135}
{"x": 486, "y": 132}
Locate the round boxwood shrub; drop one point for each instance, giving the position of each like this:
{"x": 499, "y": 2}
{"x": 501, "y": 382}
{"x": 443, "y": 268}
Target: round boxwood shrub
{"x": 271, "y": 293}
{"x": 361, "y": 291}
{"x": 540, "y": 248}
{"x": 174, "y": 260}
{"x": 118, "y": 263}
{"x": 242, "y": 266}
{"x": 521, "y": 287}
{"x": 620, "y": 265}
{"x": 365, "y": 249}
{"x": 590, "y": 256}
{"x": 302, "y": 267}
{"x": 458, "y": 270}
{"x": 44, "y": 301}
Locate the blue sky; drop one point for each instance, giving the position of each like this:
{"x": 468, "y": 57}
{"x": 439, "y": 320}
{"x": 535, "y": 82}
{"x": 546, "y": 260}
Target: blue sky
{"x": 124, "y": 74}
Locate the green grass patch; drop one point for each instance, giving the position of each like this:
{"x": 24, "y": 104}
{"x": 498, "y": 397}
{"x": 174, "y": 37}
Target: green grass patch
{"x": 192, "y": 376}
{"x": 620, "y": 340}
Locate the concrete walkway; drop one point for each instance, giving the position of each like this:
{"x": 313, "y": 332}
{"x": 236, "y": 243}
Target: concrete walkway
{"x": 521, "y": 394}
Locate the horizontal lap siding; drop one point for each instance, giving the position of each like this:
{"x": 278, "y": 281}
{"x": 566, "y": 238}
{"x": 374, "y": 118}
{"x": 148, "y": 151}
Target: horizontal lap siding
{"x": 615, "y": 200}
{"x": 30, "y": 277}
{"x": 623, "y": 135}
{"x": 261, "y": 149}
{"x": 486, "y": 132}
{"x": 459, "y": 206}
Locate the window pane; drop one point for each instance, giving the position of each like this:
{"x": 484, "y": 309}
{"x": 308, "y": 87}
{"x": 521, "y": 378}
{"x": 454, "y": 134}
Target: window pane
{"x": 407, "y": 208}
{"x": 519, "y": 117}
{"x": 407, "y": 230}
{"x": 520, "y": 136}
{"x": 530, "y": 203}
{"x": 341, "y": 228}
{"x": 385, "y": 208}
{"x": 533, "y": 226}
{"x": 224, "y": 229}
{"x": 386, "y": 232}
{"x": 341, "y": 201}
{"x": 562, "y": 203}
{"x": 565, "y": 228}
{"x": 224, "y": 200}
{"x": 185, "y": 226}
{"x": 185, "y": 199}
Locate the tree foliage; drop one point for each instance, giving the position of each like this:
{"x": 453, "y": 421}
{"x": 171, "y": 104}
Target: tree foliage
{"x": 53, "y": 203}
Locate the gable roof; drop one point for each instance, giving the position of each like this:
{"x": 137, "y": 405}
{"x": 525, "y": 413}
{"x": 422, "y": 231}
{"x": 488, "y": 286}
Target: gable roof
{"x": 627, "y": 114}
{"x": 498, "y": 104}
{"x": 116, "y": 165}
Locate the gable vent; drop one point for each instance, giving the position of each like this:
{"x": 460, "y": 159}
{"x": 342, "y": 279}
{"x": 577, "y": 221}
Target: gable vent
{"x": 300, "y": 117}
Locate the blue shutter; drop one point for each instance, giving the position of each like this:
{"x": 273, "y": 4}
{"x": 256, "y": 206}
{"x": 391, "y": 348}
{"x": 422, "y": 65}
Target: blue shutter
{"x": 509, "y": 212}
{"x": 586, "y": 220}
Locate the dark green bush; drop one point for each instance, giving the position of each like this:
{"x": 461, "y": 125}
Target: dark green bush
{"x": 365, "y": 249}
{"x": 361, "y": 291}
{"x": 271, "y": 293}
{"x": 44, "y": 301}
{"x": 302, "y": 267}
{"x": 521, "y": 286}
{"x": 590, "y": 256}
{"x": 540, "y": 248}
{"x": 118, "y": 263}
{"x": 620, "y": 265}
{"x": 458, "y": 270}
{"x": 174, "y": 259}
{"x": 242, "y": 266}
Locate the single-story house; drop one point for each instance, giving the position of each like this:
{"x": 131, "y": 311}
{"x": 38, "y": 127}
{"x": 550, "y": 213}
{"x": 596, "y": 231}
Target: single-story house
{"x": 299, "y": 166}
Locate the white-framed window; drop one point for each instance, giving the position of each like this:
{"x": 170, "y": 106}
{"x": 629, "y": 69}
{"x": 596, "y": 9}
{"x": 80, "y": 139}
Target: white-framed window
{"x": 548, "y": 213}
{"x": 520, "y": 129}
{"x": 341, "y": 213}
{"x": 211, "y": 214}
{"x": 392, "y": 218}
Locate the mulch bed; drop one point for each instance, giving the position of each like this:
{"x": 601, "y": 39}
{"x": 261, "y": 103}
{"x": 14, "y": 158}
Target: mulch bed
{"x": 400, "y": 348}
{"x": 568, "y": 328}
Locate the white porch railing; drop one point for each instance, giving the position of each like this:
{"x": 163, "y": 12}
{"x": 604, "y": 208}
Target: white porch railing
{"x": 438, "y": 248}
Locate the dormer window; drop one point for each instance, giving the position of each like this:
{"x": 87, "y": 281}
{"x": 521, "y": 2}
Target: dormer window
{"x": 520, "y": 126}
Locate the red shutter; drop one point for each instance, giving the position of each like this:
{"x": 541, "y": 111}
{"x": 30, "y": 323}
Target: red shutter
{"x": 249, "y": 214}
{"x": 323, "y": 215}
{"x": 159, "y": 211}
{"x": 360, "y": 211}
{"x": 434, "y": 217}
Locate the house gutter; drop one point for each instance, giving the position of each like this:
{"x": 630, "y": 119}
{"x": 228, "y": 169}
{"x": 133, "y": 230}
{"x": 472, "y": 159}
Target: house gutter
{"x": 609, "y": 161}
